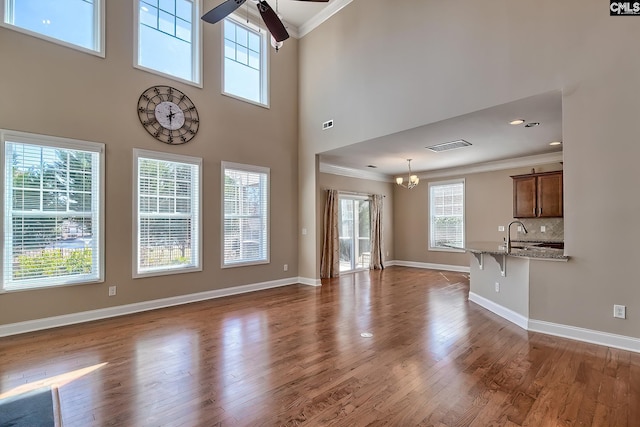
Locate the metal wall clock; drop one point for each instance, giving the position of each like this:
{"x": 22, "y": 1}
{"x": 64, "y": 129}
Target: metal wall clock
{"x": 168, "y": 114}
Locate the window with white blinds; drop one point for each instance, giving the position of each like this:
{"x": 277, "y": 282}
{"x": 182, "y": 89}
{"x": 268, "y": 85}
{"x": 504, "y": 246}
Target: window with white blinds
{"x": 53, "y": 211}
{"x": 245, "y": 225}
{"x": 167, "y": 221}
{"x": 446, "y": 209}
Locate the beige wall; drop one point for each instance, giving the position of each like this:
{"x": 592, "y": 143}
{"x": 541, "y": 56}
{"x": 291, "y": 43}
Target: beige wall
{"x": 365, "y": 186}
{"x": 513, "y": 288}
{"x": 53, "y": 90}
{"x": 380, "y": 67}
{"x": 488, "y": 204}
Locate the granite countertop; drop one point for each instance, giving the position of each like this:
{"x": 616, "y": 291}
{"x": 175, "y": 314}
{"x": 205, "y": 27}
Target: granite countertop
{"x": 526, "y": 250}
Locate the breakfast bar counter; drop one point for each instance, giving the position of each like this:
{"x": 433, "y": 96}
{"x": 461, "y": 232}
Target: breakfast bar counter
{"x": 527, "y": 249}
{"x": 500, "y": 281}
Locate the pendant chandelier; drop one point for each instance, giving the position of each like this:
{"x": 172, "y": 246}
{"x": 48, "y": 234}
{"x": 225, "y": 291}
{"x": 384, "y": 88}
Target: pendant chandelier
{"x": 412, "y": 181}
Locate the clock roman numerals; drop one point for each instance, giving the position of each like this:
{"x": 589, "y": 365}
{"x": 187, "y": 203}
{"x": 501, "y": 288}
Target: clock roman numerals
{"x": 168, "y": 115}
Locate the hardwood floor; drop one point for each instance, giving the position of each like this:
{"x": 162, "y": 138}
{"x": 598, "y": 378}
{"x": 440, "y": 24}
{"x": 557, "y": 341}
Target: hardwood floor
{"x": 294, "y": 356}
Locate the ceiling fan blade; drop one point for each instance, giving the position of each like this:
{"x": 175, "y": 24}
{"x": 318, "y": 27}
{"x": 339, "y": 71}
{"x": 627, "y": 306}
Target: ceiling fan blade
{"x": 271, "y": 20}
{"x": 221, "y": 11}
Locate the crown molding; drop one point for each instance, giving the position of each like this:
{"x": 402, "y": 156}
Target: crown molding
{"x": 296, "y": 32}
{"x": 334, "y": 7}
{"x": 354, "y": 173}
{"x": 535, "y": 160}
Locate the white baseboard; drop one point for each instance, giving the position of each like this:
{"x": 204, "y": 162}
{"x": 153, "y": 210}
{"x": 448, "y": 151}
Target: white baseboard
{"x": 121, "y": 310}
{"x": 587, "y": 335}
{"x": 429, "y": 266}
{"x": 501, "y": 311}
{"x": 565, "y": 331}
{"x": 309, "y": 281}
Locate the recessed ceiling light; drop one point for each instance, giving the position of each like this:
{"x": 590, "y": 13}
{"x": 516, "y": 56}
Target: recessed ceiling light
{"x": 532, "y": 124}
{"x": 516, "y": 122}
{"x": 555, "y": 143}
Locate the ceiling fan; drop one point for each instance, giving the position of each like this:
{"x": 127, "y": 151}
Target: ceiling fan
{"x": 269, "y": 16}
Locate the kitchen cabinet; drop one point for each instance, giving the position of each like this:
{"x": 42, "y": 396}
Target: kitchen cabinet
{"x": 538, "y": 195}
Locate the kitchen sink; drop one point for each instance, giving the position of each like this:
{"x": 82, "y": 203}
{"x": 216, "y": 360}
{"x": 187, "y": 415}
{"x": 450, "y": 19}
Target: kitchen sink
{"x": 555, "y": 245}
{"x": 533, "y": 245}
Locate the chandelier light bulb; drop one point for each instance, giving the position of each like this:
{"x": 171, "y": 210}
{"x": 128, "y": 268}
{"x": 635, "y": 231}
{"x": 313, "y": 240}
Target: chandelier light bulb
{"x": 413, "y": 180}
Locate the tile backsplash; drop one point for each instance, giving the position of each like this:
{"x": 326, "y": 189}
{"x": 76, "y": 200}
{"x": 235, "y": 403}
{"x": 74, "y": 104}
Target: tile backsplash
{"x": 554, "y": 229}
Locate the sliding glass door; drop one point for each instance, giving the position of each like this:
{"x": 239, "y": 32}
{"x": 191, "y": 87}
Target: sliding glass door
{"x": 354, "y": 232}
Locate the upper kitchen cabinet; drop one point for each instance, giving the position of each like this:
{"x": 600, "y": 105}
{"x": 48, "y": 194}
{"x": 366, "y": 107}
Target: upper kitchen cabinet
{"x": 537, "y": 195}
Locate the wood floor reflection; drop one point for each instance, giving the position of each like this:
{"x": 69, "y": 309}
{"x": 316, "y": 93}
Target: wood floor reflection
{"x": 295, "y": 356}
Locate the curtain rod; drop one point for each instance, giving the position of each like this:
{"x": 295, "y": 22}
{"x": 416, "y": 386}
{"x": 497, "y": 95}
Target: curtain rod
{"x": 353, "y": 193}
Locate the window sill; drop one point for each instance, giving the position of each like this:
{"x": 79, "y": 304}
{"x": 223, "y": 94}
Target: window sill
{"x": 99, "y": 53}
{"x": 248, "y": 101}
{"x": 165, "y": 272}
{"x": 48, "y": 286}
{"x": 168, "y": 76}
{"x": 245, "y": 264}
{"x": 461, "y": 251}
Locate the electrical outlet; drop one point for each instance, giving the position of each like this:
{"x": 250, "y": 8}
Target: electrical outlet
{"x": 387, "y": 253}
{"x": 304, "y": 231}
{"x": 543, "y": 229}
{"x": 286, "y": 267}
{"x": 112, "y": 291}
{"x": 520, "y": 228}
{"x": 497, "y": 286}
{"x": 620, "y": 311}
{"x": 501, "y": 228}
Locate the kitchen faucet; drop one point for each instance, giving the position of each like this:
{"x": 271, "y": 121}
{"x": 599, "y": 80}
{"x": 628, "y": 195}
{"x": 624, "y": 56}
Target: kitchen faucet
{"x": 509, "y": 233}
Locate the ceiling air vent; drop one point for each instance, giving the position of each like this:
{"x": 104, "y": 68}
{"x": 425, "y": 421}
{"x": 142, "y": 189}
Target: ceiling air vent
{"x": 449, "y": 145}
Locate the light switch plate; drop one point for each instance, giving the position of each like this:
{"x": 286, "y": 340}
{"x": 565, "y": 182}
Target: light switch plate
{"x": 501, "y": 228}
{"x": 543, "y": 229}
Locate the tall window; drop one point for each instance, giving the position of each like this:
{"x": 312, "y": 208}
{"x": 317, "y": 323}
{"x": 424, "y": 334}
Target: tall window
{"x": 53, "y": 214}
{"x": 245, "y": 215}
{"x": 168, "y": 38}
{"x": 446, "y": 207}
{"x": 245, "y": 62}
{"x": 74, "y": 23}
{"x": 167, "y": 205}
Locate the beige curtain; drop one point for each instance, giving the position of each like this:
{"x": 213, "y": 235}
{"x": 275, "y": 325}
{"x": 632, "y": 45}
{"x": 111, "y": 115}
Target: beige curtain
{"x": 375, "y": 262}
{"x": 330, "y": 261}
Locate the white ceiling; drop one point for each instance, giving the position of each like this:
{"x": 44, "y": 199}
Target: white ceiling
{"x": 300, "y": 17}
{"x": 488, "y": 130}
{"x": 297, "y": 12}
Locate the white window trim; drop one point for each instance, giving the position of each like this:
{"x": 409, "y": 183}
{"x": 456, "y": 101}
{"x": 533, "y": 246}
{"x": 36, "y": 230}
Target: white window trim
{"x": 158, "y": 155}
{"x": 264, "y": 63}
{"x": 99, "y": 30}
{"x": 247, "y": 168}
{"x": 196, "y": 46}
{"x": 464, "y": 211}
{"x": 66, "y": 143}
